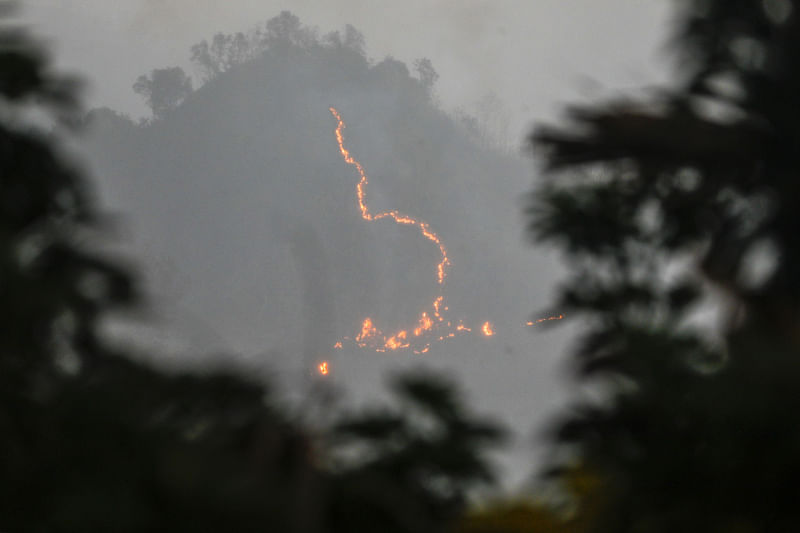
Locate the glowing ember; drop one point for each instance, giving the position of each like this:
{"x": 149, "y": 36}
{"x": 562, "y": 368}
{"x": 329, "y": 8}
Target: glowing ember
{"x": 425, "y": 324}
{"x": 546, "y": 319}
{"x": 367, "y": 331}
{"x": 487, "y": 329}
{"x": 323, "y": 368}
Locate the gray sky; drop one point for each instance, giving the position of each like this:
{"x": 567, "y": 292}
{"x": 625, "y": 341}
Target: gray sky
{"x": 534, "y": 54}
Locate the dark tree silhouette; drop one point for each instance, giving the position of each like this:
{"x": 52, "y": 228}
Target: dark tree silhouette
{"x": 409, "y": 469}
{"x": 91, "y": 441}
{"x": 225, "y": 51}
{"x": 287, "y": 30}
{"x": 665, "y": 207}
{"x": 54, "y": 288}
{"x": 163, "y": 89}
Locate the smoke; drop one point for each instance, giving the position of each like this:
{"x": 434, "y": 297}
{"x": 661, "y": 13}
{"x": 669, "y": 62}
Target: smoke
{"x": 243, "y": 192}
{"x": 530, "y": 54}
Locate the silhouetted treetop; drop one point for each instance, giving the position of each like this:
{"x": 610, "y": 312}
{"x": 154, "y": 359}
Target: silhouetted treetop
{"x": 164, "y": 89}
{"x": 285, "y": 30}
{"x": 725, "y": 148}
{"x": 668, "y": 208}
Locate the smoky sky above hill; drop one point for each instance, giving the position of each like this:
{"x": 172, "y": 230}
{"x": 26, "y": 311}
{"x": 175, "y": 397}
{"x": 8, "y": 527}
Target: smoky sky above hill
{"x": 533, "y": 55}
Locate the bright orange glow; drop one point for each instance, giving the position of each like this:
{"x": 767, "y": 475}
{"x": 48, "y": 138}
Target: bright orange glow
{"x": 429, "y": 320}
{"x": 396, "y": 215}
{"x": 546, "y": 319}
{"x": 425, "y": 324}
{"x": 323, "y": 368}
{"x": 437, "y": 303}
{"x": 368, "y": 331}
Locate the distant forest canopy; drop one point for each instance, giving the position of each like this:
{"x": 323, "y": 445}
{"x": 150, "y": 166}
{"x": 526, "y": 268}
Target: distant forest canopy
{"x": 163, "y": 89}
{"x": 246, "y": 217}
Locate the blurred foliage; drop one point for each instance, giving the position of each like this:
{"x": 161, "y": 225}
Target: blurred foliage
{"x": 409, "y": 469}
{"x": 54, "y": 286}
{"x": 522, "y": 517}
{"x": 91, "y": 440}
{"x": 571, "y": 509}
{"x": 667, "y": 208}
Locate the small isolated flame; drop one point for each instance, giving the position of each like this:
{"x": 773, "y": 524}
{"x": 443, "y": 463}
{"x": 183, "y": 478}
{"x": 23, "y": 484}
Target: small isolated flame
{"x": 546, "y": 319}
{"x": 323, "y": 368}
{"x": 487, "y": 329}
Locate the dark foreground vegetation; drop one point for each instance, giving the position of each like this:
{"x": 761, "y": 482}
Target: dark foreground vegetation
{"x": 666, "y": 208}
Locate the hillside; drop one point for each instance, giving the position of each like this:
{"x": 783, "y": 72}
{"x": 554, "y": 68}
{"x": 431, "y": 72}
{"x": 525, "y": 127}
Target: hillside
{"x": 244, "y": 216}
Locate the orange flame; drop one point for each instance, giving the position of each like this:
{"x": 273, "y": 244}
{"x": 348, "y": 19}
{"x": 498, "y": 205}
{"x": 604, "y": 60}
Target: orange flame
{"x": 370, "y": 335}
{"x": 546, "y": 319}
{"x": 367, "y": 330}
{"x": 396, "y": 215}
{"x": 425, "y": 324}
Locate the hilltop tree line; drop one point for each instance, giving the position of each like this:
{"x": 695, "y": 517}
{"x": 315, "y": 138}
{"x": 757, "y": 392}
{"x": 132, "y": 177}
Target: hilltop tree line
{"x": 164, "y": 89}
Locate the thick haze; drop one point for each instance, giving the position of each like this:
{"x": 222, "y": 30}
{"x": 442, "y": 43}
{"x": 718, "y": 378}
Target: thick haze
{"x": 533, "y": 55}
{"x": 243, "y": 212}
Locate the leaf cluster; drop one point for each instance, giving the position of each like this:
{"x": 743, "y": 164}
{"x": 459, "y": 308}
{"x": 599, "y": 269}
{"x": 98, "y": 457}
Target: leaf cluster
{"x": 410, "y": 468}
{"x": 663, "y": 207}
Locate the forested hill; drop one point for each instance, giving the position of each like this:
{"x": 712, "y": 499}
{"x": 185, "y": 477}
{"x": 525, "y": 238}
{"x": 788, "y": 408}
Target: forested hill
{"x": 245, "y": 215}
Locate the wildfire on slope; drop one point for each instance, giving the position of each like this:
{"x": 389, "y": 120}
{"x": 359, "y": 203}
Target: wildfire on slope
{"x": 431, "y": 324}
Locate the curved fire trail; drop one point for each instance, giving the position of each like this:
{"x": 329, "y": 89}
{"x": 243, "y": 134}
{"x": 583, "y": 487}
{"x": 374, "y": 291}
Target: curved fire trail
{"x": 431, "y": 324}
{"x": 398, "y": 217}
